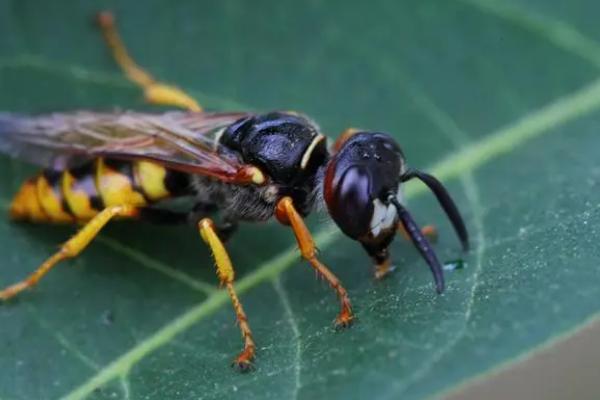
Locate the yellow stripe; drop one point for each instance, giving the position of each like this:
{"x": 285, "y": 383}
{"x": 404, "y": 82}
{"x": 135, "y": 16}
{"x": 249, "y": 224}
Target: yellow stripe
{"x": 78, "y": 200}
{"x": 151, "y": 178}
{"x": 51, "y": 201}
{"x": 115, "y": 188}
{"x": 25, "y": 205}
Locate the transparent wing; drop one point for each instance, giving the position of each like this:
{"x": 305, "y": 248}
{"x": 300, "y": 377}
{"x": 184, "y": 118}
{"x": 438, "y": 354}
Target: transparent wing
{"x": 185, "y": 141}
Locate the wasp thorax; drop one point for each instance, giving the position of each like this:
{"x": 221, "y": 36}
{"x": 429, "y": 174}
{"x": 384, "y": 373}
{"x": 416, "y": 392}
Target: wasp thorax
{"x": 359, "y": 180}
{"x": 286, "y": 146}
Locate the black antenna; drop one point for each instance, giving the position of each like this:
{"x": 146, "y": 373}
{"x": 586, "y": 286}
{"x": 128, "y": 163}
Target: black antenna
{"x": 445, "y": 201}
{"x": 422, "y": 244}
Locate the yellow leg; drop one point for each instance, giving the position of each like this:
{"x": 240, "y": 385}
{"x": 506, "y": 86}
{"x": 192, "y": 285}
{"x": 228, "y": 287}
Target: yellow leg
{"x": 226, "y": 276}
{"x": 287, "y": 214}
{"x": 155, "y": 92}
{"x": 71, "y": 248}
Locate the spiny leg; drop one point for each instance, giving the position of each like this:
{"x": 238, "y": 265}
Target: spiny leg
{"x": 287, "y": 214}
{"x": 155, "y": 92}
{"x": 226, "y": 276}
{"x": 71, "y": 248}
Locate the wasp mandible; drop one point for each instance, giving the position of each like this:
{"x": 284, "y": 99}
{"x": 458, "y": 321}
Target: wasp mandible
{"x": 250, "y": 167}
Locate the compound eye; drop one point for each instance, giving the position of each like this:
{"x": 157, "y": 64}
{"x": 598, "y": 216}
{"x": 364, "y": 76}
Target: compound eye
{"x": 350, "y": 203}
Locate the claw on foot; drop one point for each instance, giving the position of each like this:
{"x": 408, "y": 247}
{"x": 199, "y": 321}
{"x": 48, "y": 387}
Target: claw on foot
{"x": 344, "y": 320}
{"x": 384, "y": 269}
{"x": 382, "y": 274}
{"x": 243, "y": 362}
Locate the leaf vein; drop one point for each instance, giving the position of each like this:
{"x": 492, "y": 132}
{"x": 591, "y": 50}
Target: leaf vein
{"x": 82, "y": 74}
{"x": 150, "y": 263}
{"x": 285, "y": 302}
{"x": 557, "y": 32}
{"x": 64, "y": 342}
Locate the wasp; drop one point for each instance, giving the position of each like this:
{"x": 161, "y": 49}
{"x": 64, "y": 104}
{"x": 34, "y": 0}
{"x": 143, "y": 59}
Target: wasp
{"x": 250, "y": 167}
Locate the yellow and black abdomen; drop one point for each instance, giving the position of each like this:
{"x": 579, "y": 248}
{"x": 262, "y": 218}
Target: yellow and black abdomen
{"x": 78, "y": 194}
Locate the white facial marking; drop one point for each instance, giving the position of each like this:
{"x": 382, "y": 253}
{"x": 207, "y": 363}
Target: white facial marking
{"x": 383, "y": 217}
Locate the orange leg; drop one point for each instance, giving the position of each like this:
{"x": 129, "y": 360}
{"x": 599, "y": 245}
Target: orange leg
{"x": 286, "y": 214}
{"x": 71, "y": 248}
{"x": 383, "y": 269}
{"x": 155, "y": 92}
{"x": 226, "y": 276}
{"x": 428, "y": 230}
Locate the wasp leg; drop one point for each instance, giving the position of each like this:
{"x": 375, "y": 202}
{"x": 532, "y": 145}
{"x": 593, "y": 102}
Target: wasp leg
{"x": 155, "y": 92}
{"x": 383, "y": 269}
{"x": 226, "y": 229}
{"x": 287, "y": 214}
{"x": 226, "y": 275}
{"x": 430, "y": 231}
{"x": 71, "y": 248}
{"x": 383, "y": 265}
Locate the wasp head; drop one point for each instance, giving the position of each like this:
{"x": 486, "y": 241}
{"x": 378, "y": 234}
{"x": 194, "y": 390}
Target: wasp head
{"x": 362, "y": 191}
{"x": 359, "y": 182}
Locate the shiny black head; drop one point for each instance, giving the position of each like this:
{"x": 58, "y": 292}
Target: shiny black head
{"x": 358, "y": 182}
{"x": 285, "y": 146}
{"x": 363, "y": 195}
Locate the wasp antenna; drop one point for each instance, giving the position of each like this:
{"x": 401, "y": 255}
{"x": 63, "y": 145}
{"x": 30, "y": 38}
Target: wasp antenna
{"x": 421, "y": 243}
{"x": 445, "y": 201}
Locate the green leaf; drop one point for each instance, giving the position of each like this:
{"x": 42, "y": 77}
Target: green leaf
{"x": 500, "y": 100}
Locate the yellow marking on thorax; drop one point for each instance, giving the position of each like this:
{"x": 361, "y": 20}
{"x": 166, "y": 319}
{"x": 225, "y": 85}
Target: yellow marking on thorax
{"x": 306, "y": 157}
{"x": 115, "y": 188}
{"x": 151, "y": 178}
{"x": 51, "y": 202}
{"x": 79, "y": 201}
{"x": 26, "y": 206}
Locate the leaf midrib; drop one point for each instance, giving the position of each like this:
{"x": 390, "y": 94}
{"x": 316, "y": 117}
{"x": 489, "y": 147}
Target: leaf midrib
{"x": 540, "y": 122}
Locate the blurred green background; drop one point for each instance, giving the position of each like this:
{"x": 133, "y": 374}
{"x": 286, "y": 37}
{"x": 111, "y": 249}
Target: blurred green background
{"x": 499, "y": 99}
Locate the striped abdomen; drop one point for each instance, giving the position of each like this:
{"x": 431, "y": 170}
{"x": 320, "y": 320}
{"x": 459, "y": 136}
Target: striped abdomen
{"x": 78, "y": 194}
